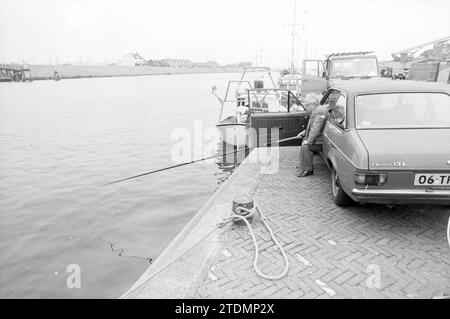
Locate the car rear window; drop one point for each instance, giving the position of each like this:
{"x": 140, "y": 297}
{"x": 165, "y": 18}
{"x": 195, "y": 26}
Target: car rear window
{"x": 403, "y": 110}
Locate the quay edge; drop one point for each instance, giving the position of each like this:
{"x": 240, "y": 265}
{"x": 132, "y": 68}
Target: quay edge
{"x": 201, "y": 223}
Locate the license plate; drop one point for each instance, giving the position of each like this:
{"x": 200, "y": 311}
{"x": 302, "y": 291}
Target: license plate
{"x": 432, "y": 179}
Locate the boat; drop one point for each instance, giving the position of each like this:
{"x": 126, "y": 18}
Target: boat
{"x": 255, "y": 112}
{"x": 290, "y": 80}
{"x": 233, "y": 122}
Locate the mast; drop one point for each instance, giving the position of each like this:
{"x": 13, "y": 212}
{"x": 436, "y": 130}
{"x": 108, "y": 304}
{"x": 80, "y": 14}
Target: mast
{"x": 293, "y": 34}
{"x": 306, "y": 38}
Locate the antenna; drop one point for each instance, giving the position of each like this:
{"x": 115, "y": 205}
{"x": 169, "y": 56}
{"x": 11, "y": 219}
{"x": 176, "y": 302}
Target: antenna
{"x": 256, "y": 50}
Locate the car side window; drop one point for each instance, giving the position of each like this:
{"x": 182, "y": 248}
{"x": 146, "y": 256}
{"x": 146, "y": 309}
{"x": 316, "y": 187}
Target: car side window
{"x": 331, "y": 98}
{"x": 338, "y": 111}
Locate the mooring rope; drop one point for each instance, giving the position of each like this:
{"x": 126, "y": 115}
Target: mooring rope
{"x": 251, "y": 212}
{"x": 223, "y": 223}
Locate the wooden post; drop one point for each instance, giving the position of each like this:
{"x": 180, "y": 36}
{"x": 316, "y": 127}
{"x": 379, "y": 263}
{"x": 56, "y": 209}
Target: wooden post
{"x": 245, "y": 202}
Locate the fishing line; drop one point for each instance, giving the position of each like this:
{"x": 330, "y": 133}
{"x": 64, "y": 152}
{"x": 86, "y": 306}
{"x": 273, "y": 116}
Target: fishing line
{"x": 194, "y": 161}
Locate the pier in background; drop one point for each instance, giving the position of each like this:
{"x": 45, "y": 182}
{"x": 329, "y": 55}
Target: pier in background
{"x": 14, "y": 73}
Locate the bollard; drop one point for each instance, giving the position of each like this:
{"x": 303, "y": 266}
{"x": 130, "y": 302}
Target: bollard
{"x": 242, "y": 201}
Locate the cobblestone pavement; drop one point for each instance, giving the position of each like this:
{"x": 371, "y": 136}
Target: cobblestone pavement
{"x": 365, "y": 251}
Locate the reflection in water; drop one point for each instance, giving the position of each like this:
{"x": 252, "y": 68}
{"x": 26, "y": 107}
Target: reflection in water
{"x": 231, "y": 158}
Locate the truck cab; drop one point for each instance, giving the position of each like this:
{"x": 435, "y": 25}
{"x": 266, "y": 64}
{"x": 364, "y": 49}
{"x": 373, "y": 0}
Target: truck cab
{"x": 318, "y": 75}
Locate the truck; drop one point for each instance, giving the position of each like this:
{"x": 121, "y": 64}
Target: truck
{"x": 319, "y": 75}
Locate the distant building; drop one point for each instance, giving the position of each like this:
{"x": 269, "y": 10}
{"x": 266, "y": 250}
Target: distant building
{"x": 131, "y": 59}
{"x": 207, "y": 64}
{"x": 178, "y": 62}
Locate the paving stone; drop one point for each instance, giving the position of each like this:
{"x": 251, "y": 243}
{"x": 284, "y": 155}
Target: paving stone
{"x": 407, "y": 244}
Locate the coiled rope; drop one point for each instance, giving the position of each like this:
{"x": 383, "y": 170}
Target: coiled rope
{"x": 223, "y": 223}
{"x": 252, "y": 212}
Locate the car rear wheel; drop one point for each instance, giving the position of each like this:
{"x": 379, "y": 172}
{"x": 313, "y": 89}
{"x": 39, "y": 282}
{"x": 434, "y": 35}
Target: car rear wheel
{"x": 339, "y": 196}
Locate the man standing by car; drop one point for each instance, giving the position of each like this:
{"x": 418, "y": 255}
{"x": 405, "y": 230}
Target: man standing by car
{"x": 312, "y": 136}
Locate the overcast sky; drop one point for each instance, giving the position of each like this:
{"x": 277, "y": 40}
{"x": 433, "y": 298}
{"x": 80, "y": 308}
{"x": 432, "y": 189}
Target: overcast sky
{"x": 43, "y": 31}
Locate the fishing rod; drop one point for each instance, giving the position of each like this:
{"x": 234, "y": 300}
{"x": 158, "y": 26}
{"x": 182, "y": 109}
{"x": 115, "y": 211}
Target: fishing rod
{"x": 195, "y": 161}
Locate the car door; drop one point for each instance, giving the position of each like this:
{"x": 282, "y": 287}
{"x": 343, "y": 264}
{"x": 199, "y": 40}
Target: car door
{"x": 287, "y": 124}
{"x": 329, "y": 99}
{"x": 313, "y": 77}
{"x": 336, "y": 146}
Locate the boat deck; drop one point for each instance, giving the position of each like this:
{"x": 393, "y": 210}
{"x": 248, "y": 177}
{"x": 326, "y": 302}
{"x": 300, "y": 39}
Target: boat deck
{"x": 364, "y": 251}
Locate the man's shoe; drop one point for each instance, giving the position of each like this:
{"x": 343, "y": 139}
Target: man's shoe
{"x": 305, "y": 173}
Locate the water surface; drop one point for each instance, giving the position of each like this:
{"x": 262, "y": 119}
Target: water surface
{"x": 59, "y": 141}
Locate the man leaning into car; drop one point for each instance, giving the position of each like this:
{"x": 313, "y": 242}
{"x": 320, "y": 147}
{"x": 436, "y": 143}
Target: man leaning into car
{"x": 312, "y": 136}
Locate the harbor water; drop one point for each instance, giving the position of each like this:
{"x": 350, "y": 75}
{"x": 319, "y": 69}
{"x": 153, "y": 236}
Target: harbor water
{"x": 59, "y": 143}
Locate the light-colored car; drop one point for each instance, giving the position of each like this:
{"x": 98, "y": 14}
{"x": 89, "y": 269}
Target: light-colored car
{"x": 388, "y": 142}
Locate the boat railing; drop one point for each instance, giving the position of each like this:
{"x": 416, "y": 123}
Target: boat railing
{"x": 239, "y": 83}
{"x": 227, "y": 97}
{"x": 259, "y": 69}
{"x": 230, "y": 102}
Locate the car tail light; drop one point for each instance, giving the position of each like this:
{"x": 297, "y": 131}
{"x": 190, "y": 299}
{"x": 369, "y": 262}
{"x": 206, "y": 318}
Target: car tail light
{"x": 370, "y": 179}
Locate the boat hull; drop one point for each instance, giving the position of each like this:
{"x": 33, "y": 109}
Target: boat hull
{"x": 234, "y": 134}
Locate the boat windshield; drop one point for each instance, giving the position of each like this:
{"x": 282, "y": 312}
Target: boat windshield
{"x": 352, "y": 68}
{"x": 259, "y": 78}
{"x": 402, "y": 110}
{"x": 273, "y": 101}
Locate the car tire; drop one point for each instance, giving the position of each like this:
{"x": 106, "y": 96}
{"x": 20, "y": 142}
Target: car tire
{"x": 340, "y": 198}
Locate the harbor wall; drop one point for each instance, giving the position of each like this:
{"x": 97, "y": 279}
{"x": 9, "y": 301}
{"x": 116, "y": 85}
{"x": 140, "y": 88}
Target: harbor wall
{"x": 46, "y": 72}
{"x": 242, "y": 180}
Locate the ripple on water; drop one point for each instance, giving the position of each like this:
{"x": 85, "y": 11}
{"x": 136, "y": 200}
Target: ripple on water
{"x": 59, "y": 142}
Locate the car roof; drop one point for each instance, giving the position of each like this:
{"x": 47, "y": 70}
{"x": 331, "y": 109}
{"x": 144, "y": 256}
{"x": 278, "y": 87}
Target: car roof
{"x": 358, "y": 87}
